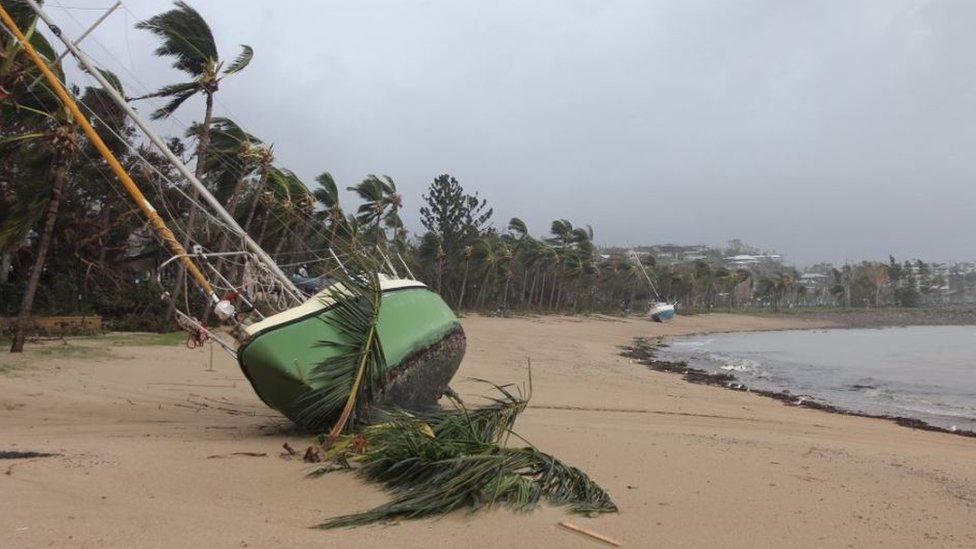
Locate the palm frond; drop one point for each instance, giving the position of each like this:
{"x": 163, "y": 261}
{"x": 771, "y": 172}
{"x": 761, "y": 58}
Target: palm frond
{"x": 345, "y": 383}
{"x": 230, "y": 153}
{"x": 113, "y": 80}
{"x": 328, "y": 193}
{"x": 241, "y": 61}
{"x": 186, "y": 36}
{"x": 434, "y": 463}
{"x": 169, "y": 108}
{"x": 169, "y": 90}
{"x": 25, "y": 211}
{"x": 12, "y": 140}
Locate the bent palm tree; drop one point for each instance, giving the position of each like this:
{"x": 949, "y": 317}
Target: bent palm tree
{"x": 233, "y": 156}
{"x": 187, "y": 37}
{"x": 42, "y": 134}
{"x": 327, "y": 195}
{"x": 54, "y": 146}
{"x": 380, "y": 201}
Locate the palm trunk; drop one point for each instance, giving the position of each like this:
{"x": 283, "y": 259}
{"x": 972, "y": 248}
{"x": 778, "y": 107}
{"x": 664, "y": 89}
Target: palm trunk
{"x": 334, "y": 230}
{"x": 232, "y": 200}
{"x": 533, "y": 296}
{"x": 484, "y": 289}
{"x": 264, "y": 226}
{"x": 380, "y": 234}
{"x": 281, "y": 240}
{"x": 555, "y": 287}
{"x": 191, "y": 218}
{"x": 464, "y": 284}
{"x": 297, "y": 242}
{"x": 6, "y": 259}
{"x": 224, "y": 242}
{"x": 252, "y": 210}
{"x": 60, "y": 174}
{"x": 542, "y": 290}
{"x": 535, "y": 279}
{"x": 440, "y": 274}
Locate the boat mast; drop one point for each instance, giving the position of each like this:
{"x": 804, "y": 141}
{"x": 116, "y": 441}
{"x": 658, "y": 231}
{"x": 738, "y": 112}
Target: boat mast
{"x": 209, "y": 198}
{"x": 636, "y": 259}
{"x": 130, "y": 186}
{"x": 78, "y": 40}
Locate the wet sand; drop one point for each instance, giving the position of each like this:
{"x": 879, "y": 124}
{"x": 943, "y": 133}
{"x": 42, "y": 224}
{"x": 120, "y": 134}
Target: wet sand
{"x": 154, "y": 453}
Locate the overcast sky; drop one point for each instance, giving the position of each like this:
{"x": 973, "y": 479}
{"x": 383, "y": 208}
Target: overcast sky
{"x": 826, "y": 130}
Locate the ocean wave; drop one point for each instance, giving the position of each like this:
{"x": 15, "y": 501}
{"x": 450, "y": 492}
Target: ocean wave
{"x": 733, "y": 363}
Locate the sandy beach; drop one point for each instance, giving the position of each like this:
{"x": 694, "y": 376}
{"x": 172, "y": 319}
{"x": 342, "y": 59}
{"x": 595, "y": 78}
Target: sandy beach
{"x": 156, "y": 449}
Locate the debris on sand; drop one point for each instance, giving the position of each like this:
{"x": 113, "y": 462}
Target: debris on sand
{"x": 13, "y": 454}
{"x": 590, "y": 533}
{"x": 232, "y": 454}
{"x": 439, "y": 461}
{"x": 289, "y": 451}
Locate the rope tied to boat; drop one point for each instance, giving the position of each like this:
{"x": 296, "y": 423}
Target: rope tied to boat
{"x": 196, "y": 337}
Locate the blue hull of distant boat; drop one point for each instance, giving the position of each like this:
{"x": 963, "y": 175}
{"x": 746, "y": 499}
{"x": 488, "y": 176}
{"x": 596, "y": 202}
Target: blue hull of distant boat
{"x": 662, "y": 312}
{"x": 665, "y": 315}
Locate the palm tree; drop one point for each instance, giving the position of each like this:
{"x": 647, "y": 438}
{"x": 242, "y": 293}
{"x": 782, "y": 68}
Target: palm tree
{"x": 778, "y": 287}
{"x": 484, "y": 252}
{"x": 233, "y": 157}
{"x": 431, "y": 251}
{"x": 877, "y": 275}
{"x": 739, "y": 280}
{"x": 55, "y": 146}
{"x": 327, "y": 195}
{"x": 286, "y": 199}
{"x": 518, "y": 228}
{"x": 257, "y": 193}
{"x": 380, "y": 201}
{"x": 44, "y": 137}
{"x": 506, "y": 263}
{"x": 187, "y": 37}
{"x": 466, "y": 253}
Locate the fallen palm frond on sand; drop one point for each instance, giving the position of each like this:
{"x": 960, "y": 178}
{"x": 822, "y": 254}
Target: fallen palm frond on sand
{"x": 440, "y": 461}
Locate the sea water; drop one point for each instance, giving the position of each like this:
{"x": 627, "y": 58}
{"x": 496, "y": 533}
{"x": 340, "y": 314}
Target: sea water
{"x": 922, "y": 372}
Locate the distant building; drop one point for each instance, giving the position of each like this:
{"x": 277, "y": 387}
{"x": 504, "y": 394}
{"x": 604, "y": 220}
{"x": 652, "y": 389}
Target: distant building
{"x": 669, "y": 253}
{"x": 749, "y": 261}
{"x": 814, "y": 280}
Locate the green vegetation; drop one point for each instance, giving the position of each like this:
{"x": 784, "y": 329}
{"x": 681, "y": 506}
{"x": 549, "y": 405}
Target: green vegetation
{"x": 140, "y": 339}
{"x": 70, "y": 349}
{"x": 437, "y": 462}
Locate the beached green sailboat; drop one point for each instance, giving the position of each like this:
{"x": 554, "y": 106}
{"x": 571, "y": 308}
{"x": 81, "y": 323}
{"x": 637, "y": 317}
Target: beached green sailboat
{"x": 421, "y": 339}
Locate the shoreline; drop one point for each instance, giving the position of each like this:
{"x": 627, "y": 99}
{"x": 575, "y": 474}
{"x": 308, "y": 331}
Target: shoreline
{"x": 879, "y": 318}
{"x": 644, "y": 352}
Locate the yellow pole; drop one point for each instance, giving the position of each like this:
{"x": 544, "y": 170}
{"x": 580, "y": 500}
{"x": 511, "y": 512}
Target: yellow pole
{"x": 130, "y": 186}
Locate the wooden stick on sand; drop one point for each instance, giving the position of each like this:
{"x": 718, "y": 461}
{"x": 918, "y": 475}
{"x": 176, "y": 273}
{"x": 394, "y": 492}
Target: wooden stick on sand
{"x": 590, "y": 533}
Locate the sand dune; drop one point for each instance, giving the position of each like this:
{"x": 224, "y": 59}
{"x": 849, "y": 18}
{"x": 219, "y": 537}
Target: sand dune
{"x": 157, "y": 449}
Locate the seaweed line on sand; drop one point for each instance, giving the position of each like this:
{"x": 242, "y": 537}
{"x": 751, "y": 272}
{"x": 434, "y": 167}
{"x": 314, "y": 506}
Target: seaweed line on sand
{"x": 644, "y": 351}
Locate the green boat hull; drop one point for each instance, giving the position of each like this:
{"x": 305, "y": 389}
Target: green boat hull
{"x": 421, "y": 337}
